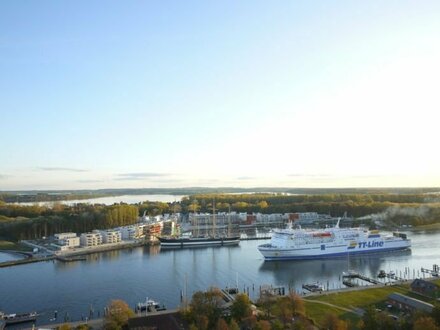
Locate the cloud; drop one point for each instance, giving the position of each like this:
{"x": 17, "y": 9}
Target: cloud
{"x": 245, "y": 178}
{"x": 89, "y": 181}
{"x": 61, "y": 169}
{"x": 139, "y": 176}
{"x": 3, "y": 176}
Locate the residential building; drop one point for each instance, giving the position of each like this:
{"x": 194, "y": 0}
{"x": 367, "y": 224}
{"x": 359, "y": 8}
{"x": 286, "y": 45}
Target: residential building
{"x": 132, "y": 232}
{"x": 67, "y": 240}
{"x": 91, "y": 239}
{"x": 111, "y": 236}
{"x": 425, "y": 288}
{"x": 409, "y": 304}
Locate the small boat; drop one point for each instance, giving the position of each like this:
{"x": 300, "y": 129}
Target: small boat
{"x": 18, "y": 318}
{"x": 150, "y": 306}
{"x": 313, "y": 287}
{"x": 382, "y": 274}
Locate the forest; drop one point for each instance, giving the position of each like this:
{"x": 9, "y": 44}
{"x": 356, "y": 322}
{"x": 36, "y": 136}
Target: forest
{"x": 33, "y": 221}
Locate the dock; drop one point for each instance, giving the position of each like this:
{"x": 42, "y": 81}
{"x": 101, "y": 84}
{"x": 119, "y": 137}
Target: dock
{"x": 314, "y": 287}
{"x": 25, "y": 261}
{"x": 354, "y": 275}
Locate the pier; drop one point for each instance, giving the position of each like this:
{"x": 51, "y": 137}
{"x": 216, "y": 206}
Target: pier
{"x": 356, "y": 275}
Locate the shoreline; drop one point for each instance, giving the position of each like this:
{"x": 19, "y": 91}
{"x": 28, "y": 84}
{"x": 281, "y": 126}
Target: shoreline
{"x": 65, "y": 256}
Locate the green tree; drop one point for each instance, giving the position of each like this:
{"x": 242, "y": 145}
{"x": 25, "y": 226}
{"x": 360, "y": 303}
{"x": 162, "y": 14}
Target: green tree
{"x": 436, "y": 315}
{"x": 369, "y": 319}
{"x": 241, "y": 307}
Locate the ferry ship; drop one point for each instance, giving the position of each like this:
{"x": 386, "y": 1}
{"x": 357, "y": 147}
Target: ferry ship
{"x": 289, "y": 243}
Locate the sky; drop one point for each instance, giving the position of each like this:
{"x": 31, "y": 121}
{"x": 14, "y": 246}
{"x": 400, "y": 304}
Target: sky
{"x": 133, "y": 94}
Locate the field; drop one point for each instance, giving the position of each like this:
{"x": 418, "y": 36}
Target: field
{"x": 339, "y": 303}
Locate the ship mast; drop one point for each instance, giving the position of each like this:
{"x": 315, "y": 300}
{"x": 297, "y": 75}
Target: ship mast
{"x": 229, "y": 221}
{"x": 213, "y": 217}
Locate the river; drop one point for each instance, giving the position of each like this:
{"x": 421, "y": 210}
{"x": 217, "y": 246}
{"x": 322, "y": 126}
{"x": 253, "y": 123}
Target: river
{"x": 110, "y": 200}
{"x": 134, "y": 274}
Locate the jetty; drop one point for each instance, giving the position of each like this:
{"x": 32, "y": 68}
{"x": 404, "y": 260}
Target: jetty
{"x": 25, "y": 261}
{"x": 355, "y": 275}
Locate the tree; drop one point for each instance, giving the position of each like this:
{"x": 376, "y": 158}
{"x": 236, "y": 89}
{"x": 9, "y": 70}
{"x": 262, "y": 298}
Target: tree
{"x": 332, "y": 322}
{"x": 263, "y": 325}
{"x": 370, "y": 319}
{"x": 65, "y": 326}
{"x": 117, "y": 316}
{"x": 233, "y": 325}
{"x": 436, "y": 315}
{"x": 241, "y": 307}
{"x": 221, "y": 325}
{"x": 206, "y": 305}
{"x": 425, "y": 323}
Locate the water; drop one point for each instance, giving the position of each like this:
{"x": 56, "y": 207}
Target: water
{"x": 110, "y": 200}
{"x": 4, "y": 256}
{"x": 134, "y": 274}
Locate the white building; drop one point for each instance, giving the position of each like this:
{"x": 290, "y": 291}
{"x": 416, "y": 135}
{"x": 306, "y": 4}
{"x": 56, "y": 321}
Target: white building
{"x": 67, "y": 240}
{"x": 132, "y": 232}
{"x": 62, "y": 236}
{"x": 269, "y": 218}
{"x": 221, "y": 218}
{"x": 304, "y": 217}
{"x": 91, "y": 239}
{"x": 111, "y": 236}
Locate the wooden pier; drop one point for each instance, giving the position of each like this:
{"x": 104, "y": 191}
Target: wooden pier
{"x": 353, "y": 275}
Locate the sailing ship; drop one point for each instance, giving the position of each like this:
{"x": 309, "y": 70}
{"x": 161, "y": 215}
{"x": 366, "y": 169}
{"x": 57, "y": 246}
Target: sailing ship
{"x": 204, "y": 240}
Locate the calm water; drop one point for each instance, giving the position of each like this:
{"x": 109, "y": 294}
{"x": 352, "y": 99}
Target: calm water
{"x": 9, "y": 256}
{"x": 132, "y": 275}
{"x": 129, "y": 199}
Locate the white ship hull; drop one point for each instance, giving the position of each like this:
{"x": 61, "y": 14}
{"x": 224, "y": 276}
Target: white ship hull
{"x": 316, "y": 252}
{"x": 294, "y": 244}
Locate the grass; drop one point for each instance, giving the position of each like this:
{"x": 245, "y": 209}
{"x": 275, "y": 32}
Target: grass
{"x": 360, "y": 298}
{"x": 318, "y": 313}
{"x": 351, "y": 299}
{"x": 432, "y": 226}
{"x": 8, "y": 245}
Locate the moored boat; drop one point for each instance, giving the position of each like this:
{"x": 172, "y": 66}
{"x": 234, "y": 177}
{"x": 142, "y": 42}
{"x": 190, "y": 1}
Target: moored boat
{"x": 150, "y": 305}
{"x": 300, "y": 243}
{"x": 18, "y": 318}
{"x": 198, "y": 241}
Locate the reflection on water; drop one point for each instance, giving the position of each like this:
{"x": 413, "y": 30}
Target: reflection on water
{"x": 133, "y": 274}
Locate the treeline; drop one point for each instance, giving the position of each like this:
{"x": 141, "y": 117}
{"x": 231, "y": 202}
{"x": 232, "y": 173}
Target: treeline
{"x": 58, "y": 195}
{"x": 29, "y": 222}
{"x": 356, "y": 205}
{"x": 25, "y": 222}
{"x": 46, "y": 197}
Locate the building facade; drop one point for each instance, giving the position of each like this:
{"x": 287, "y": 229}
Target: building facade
{"x": 91, "y": 239}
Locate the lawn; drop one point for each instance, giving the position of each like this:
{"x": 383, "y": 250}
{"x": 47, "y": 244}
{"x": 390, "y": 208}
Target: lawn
{"x": 8, "y": 245}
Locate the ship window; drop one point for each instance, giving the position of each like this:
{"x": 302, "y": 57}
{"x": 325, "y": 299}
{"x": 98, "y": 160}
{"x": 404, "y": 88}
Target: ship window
{"x": 322, "y": 246}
